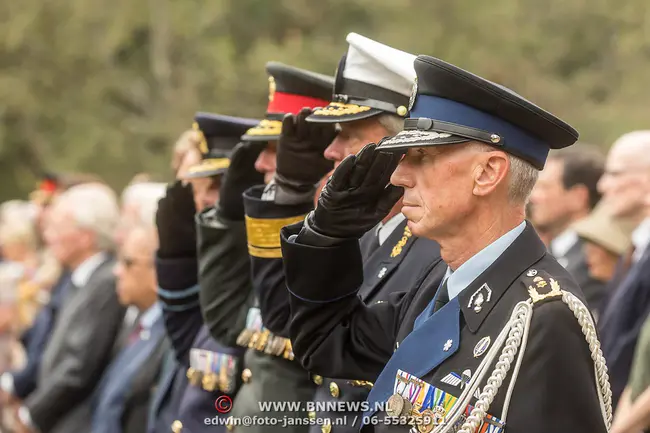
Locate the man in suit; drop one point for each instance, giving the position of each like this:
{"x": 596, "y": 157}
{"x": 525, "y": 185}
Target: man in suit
{"x": 370, "y": 98}
{"x": 79, "y": 234}
{"x": 489, "y": 345}
{"x": 624, "y": 185}
{"x": 121, "y": 400}
{"x": 566, "y": 192}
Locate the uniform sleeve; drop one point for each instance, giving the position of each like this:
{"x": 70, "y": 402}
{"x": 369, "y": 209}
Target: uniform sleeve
{"x": 264, "y": 220}
{"x": 556, "y": 389}
{"x": 224, "y": 276}
{"x": 178, "y": 292}
{"x": 332, "y": 332}
{"x": 87, "y": 349}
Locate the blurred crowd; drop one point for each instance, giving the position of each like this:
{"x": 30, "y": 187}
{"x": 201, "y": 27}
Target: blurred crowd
{"x": 592, "y": 210}
{"x": 89, "y": 334}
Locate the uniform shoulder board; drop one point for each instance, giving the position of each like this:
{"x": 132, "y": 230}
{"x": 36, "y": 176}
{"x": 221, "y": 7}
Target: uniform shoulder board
{"x": 541, "y": 285}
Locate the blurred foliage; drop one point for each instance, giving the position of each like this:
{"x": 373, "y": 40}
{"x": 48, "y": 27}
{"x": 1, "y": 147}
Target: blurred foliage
{"x": 108, "y": 86}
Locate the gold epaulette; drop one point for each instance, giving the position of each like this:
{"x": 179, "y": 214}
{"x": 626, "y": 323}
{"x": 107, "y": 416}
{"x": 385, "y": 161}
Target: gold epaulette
{"x": 541, "y": 281}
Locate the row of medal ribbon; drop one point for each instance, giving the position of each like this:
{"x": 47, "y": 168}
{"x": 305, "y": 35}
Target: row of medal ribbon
{"x": 213, "y": 371}
{"x": 414, "y": 397}
{"x": 256, "y": 336}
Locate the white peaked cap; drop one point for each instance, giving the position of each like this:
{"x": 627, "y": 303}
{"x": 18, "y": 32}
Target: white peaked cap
{"x": 374, "y": 63}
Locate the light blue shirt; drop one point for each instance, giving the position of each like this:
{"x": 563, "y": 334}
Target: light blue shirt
{"x": 465, "y": 275}
{"x": 150, "y": 316}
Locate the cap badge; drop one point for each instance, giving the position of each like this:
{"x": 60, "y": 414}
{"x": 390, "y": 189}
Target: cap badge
{"x": 414, "y": 92}
{"x": 271, "y": 88}
{"x": 203, "y": 144}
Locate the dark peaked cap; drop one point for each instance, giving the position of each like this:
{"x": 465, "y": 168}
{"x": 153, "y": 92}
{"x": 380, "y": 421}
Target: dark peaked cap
{"x": 219, "y": 135}
{"x": 290, "y": 90}
{"x": 451, "y": 105}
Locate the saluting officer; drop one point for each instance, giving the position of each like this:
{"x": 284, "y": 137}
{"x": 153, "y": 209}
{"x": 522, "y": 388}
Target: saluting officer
{"x": 270, "y": 374}
{"x": 211, "y": 369}
{"x": 506, "y": 343}
{"x": 371, "y": 93}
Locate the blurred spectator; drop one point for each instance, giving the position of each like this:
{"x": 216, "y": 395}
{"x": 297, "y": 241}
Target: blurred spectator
{"x": 53, "y": 184}
{"x": 565, "y": 192}
{"x": 186, "y": 152}
{"x": 624, "y": 186}
{"x": 121, "y": 401}
{"x": 139, "y": 202}
{"x": 605, "y": 240}
{"x": 80, "y": 234}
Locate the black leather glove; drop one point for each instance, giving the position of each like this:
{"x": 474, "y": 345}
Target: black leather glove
{"x": 175, "y": 222}
{"x": 300, "y": 161}
{"x": 357, "y": 196}
{"x": 241, "y": 175}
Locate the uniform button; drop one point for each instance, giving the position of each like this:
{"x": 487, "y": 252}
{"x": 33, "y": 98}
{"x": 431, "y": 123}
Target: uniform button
{"x": 312, "y": 414}
{"x": 334, "y": 389}
{"x": 177, "y": 426}
{"x": 318, "y": 380}
{"x": 326, "y": 428}
{"x": 246, "y": 375}
{"x": 229, "y": 425}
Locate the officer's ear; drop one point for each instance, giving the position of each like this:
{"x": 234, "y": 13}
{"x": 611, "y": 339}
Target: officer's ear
{"x": 490, "y": 171}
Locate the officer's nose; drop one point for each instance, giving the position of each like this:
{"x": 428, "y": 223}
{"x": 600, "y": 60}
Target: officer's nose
{"x": 265, "y": 162}
{"x": 336, "y": 151}
{"x": 402, "y": 176}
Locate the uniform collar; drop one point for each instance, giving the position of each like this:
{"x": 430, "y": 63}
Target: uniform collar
{"x": 385, "y": 230}
{"x": 483, "y": 293}
{"x": 478, "y": 263}
{"x": 561, "y": 245}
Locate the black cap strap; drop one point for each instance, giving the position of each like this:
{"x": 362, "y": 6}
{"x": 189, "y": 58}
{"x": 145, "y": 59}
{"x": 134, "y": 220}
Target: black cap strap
{"x": 426, "y": 124}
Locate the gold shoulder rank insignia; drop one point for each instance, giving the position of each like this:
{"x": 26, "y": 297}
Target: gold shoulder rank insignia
{"x": 397, "y": 249}
{"x": 540, "y": 283}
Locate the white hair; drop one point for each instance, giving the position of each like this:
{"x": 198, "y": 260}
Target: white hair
{"x": 93, "y": 207}
{"x": 392, "y": 123}
{"x": 144, "y": 197}
{"x": 523, "y": 175}
{"x": 19, "y": 230}
{"x": 17, "y": 210}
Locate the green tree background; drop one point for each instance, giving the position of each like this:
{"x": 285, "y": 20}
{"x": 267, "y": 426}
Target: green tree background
{"x": 107, "y": 86}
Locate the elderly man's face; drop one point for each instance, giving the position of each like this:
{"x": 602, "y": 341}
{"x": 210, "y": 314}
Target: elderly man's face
{"x": 625, "y": 182}
{"x": 438, "y": 183}
{"x": 352, "y": 137}
{"x": 135, "y": 271}
{"x": 266, "y": 162}
{"x": 64, "y": 238}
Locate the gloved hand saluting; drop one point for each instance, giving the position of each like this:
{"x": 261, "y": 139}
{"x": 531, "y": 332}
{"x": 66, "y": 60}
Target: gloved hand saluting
{"x": 357, "y": 196}
{"x": 175, "y": 222}
{"x": 300, "y": 161}
{"x": 241, "y": 175}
